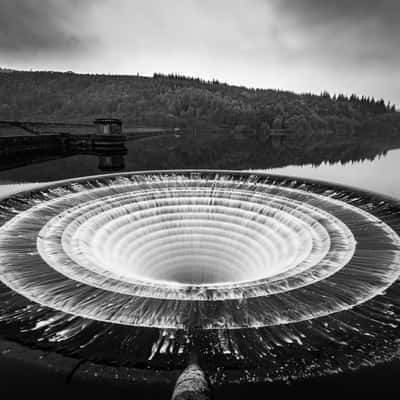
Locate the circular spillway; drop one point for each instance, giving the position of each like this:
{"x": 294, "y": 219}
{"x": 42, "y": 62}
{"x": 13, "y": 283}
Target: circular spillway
{"x": 176, "y": 253}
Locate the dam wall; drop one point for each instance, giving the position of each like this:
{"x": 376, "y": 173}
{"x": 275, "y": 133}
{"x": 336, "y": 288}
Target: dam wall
{"x": 14, "y": 145}
{"x": 23, "y": 141}
{"x": 31, "y": 137}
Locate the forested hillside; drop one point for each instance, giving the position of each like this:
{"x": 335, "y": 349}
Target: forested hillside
{"x": 180, "y": 101}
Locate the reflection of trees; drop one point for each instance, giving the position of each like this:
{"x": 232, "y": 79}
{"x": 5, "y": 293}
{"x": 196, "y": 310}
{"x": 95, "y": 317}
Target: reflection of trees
{"x": 220, "y": 151}
{"x": 201, "y": 150}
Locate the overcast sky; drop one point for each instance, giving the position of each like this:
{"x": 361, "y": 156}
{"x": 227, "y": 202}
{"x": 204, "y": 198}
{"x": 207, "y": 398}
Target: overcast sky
{"x": 301, "y": 45}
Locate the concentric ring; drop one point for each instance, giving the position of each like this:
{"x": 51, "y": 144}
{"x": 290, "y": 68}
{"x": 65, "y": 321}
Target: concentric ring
{"x": 203, "y": 249}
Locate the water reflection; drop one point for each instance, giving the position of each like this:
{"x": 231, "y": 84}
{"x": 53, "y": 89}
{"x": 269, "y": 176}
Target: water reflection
{"x": 112, "y": 161}
{"x": 338, "y": 157}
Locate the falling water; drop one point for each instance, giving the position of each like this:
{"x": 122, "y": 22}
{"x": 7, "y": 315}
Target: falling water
{"x": 258, "y": 273}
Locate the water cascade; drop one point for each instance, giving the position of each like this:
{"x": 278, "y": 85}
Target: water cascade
{"x": 257, "y": 273}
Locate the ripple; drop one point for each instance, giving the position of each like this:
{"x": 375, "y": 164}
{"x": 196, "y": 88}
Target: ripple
{"x": 204, "y": 250}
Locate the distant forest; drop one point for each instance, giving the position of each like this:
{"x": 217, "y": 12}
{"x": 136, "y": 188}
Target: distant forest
{"x": 179, "y": 101}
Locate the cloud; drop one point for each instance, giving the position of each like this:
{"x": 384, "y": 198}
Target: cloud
{"x": 342, "y": 9}
{"x": 302, "y": 45}
{"x": 41, "y": 26}
{"x": 361, "y": 31}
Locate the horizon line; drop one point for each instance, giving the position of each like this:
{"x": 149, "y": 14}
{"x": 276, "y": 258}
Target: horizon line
{"x": 232, "y": 84}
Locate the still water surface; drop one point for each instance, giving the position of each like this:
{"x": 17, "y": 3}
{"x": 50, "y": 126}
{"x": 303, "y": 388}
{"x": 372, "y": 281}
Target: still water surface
{"x": 381, "y": 174}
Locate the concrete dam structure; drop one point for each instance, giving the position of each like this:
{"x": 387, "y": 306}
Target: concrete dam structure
{"x": 16, "y": 137}
{"x": 23, "y": 142}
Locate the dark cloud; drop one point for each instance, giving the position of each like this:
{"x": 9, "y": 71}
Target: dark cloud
{"x": 29, "y": 26}
{"x": 304, "y": 45}
{"x": 324, "y": 11}
{"x": 365, "y": 31}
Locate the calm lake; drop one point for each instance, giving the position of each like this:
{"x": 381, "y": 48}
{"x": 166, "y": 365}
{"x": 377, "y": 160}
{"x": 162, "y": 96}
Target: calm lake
{"x": 380, "y": 175}
{"x": 371, "y": 166}
{"x": 378, "y": 172}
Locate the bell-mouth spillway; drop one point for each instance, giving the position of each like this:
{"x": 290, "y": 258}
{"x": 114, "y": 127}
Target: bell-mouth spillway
{"x": 201, "y": 259}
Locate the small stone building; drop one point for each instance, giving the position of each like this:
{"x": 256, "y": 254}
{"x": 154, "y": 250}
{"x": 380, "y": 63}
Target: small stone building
{"x": 108, "y": 126}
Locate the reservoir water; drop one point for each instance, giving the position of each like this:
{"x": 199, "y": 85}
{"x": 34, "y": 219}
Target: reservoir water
{"x": 370, "y": 165}
{"x": 380, "y": 175}
{"x": 373, "y": 167}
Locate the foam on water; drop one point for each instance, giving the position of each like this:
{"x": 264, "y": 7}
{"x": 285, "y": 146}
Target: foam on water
{"x": 236, "y": 264}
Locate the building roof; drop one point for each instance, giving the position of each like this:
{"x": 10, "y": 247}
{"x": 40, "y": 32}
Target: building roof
{"x": 107, "y": 121}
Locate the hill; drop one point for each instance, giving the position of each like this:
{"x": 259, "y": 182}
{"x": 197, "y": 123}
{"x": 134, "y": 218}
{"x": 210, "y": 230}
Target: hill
{"x": 178, "y": 101}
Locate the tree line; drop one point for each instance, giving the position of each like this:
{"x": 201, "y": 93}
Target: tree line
{"x": 179, "y": 101}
